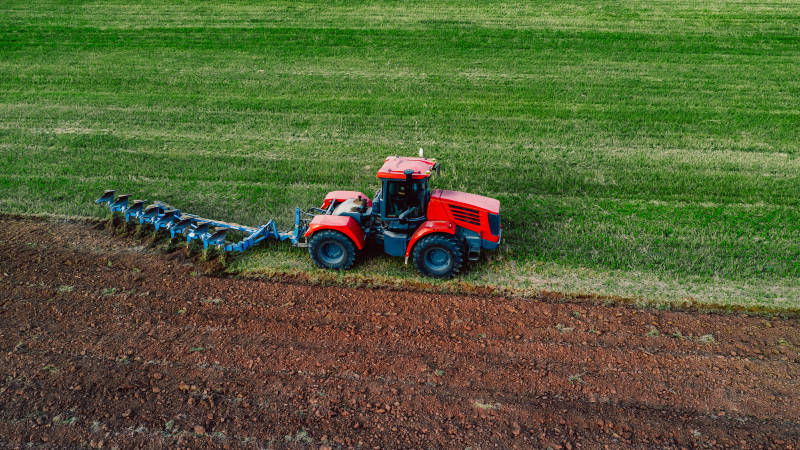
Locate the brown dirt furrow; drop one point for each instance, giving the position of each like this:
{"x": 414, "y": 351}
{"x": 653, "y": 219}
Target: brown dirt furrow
{"x": 102, "y": 340}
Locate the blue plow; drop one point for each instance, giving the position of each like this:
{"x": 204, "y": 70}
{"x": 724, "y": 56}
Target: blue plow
{"x": 211, "y": 232}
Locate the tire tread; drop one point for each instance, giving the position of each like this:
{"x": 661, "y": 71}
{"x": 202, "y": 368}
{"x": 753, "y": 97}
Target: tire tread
{"x": 447, "y": 241}
{"x": 320, "y": 237}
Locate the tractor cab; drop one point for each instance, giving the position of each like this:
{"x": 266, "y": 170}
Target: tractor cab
{"x": 401, "y": 204}
{"x": 402, "y": 201}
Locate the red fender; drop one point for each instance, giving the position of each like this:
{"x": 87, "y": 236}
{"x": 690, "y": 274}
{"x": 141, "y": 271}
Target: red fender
{"x": 431, "y": 226}
{"x": 343, "y": 224}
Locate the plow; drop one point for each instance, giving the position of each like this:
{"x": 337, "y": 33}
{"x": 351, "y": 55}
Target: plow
{"x": 193, "y": 227}
{"x": 439, "y": 230}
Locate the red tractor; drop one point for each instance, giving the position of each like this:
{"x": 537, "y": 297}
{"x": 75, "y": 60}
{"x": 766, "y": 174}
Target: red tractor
{"x": 437, "y": 229}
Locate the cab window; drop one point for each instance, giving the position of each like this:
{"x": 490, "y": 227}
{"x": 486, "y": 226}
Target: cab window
{"x": 401, "y": 196}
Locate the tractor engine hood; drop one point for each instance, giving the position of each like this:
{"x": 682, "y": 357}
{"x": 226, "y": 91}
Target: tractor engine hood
{"x": 466, "y": 200}
{"x": 478, "y": 215}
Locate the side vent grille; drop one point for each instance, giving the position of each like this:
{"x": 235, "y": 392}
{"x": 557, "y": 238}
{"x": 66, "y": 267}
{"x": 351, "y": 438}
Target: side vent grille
{"x": 467, "y": 215}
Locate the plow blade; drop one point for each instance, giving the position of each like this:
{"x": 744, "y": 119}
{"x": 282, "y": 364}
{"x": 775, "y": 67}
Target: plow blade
{"x": 180, "y": 226}
{"x": 218, "y": 238}
{"x": 211, "y": 232}
{"x": 150, "y": 214}
{"x": 199, "y": 232}
{"x": 263, "y": 232}
{"x": 135, "y": 210}
{"x": 165, "y": 220}
{"x": 121, "y": 204}
{"x": 108, "y": 197}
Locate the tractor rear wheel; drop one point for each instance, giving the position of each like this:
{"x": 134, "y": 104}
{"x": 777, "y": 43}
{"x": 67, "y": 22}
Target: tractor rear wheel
{"x": 331, "y": 250}
{"x": 439, "y": 256}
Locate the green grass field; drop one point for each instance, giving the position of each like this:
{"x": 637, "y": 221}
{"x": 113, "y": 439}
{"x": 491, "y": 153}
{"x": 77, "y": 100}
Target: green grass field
{"x": 639, "y": 148}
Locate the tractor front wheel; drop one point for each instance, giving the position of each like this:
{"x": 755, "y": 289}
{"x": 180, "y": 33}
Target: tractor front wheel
{"x": 331, "y": 250}
{"x": 439, "y": 256}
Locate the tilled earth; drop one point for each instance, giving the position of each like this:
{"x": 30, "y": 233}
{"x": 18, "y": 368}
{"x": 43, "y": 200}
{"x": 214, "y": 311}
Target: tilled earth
{"x": 106, "y": 344}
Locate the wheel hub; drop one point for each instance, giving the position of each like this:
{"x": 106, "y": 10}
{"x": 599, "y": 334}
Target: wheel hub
{"x": 437, "y": 258}
{"x": 331, "y": 252}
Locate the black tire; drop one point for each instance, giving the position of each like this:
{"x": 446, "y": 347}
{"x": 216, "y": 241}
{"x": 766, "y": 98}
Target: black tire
{"x": 438, "y": 256}
{"x": 331, "y": 249}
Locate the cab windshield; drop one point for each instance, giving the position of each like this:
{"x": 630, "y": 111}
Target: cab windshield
{"x": 402, "y": 196}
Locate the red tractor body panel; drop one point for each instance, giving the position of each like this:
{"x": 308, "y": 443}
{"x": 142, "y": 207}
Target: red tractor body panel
{"x": 431, "y": 226}
{"x": 490, "y": 205}
{"x": 343, "y": 224}
{"x": 340, "y": 196}
{"x": 395, "y": 167}
{"x": 469, "y": 211}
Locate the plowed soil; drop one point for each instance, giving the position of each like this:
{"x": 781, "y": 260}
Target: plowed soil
{"x": 108, "y": 344}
